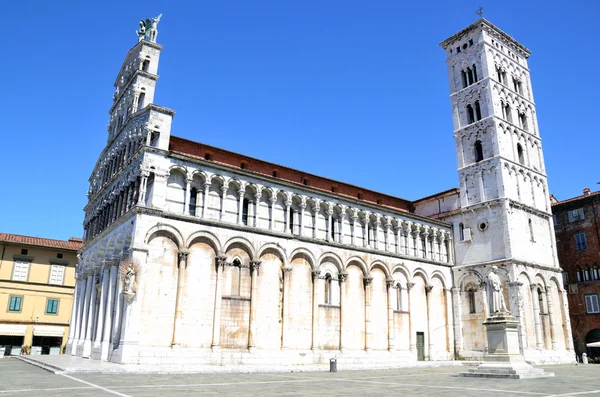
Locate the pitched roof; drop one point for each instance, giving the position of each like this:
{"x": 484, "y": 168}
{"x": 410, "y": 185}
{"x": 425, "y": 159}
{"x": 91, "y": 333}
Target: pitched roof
{"x": 572, "y": 199}
{"x": 73, "y": 244}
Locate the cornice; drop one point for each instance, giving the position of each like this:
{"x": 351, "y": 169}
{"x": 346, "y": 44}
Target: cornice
{"x": 117, "y": 100}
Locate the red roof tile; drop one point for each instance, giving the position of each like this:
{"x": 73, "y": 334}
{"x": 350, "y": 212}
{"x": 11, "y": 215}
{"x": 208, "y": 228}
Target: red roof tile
{"x": 73, "y": 244}
{"x": 576, "y": 198}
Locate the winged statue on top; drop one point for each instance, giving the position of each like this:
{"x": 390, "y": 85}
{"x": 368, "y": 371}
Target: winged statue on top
{"x": 148, "y": 29}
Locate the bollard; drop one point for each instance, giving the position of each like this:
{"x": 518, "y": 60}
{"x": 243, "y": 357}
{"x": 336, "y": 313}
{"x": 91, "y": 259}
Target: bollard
{"x": 584, "y": 359}
{"x": 332, "y": 365}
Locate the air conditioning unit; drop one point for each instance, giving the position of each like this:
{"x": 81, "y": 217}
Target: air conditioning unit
{"x": 467, "y": 234}
{"x": 573, "y": 289}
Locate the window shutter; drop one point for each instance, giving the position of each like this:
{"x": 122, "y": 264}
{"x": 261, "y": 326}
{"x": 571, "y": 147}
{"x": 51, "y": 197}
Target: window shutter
{"x": 21, "y": 270}
{"x": 57, "y": 273}
{"x": 595, "y": 307}
{"x": 570, "y": 213}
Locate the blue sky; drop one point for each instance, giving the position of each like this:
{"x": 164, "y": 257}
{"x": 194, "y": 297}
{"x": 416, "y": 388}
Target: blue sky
{"x": 352, "y": 90}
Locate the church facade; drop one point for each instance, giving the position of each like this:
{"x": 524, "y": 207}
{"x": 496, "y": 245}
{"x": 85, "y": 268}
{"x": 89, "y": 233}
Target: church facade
{"x": 194, "y": 254}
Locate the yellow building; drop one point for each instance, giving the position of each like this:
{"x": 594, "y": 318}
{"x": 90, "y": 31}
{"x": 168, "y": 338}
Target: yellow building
{"x": 37, "y": 280}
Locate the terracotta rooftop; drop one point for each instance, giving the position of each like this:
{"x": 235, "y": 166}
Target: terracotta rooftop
{"x": 249, "y": 164}
{"x": 584, "y": 196}
{"x": 73, "y": 244}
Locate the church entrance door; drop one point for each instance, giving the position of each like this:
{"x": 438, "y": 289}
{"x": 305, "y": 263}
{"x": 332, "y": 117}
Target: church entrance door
{"x": 420, "y": 346}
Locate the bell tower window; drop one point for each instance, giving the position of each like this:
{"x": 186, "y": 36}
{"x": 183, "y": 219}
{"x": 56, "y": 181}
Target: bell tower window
{"x": 478, "y": 151}
{"x": 470, "y": 115}
{"x": 145, "y": 65}
{"x": 520, "y": 153}
{"x": 477, "y": 111}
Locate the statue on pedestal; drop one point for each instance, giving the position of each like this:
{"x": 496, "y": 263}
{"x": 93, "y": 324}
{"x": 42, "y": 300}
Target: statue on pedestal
{"x": 498, "y": 304}
{"x": 148, "y": 29}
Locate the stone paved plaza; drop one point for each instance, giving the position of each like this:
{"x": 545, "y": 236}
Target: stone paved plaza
{"x": 22, "y": 379}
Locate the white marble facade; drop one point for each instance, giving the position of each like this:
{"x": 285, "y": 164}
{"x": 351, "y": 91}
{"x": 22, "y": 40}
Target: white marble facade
{"x": 238, "y": 267}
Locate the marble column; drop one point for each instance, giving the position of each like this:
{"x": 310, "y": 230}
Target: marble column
{"x": 103, "y": 303}
{"x": 186, "y": 202}
{"x": 224, "y": 189}
{"x": 257, "y": 197}
{"x": 391, "y": 290}
{"x": 449, "y": 321}
{"x": 288, "y": 208}
{"x": 353, "y": 221}
{"x": 368, "y": 332}
{"x": 539, "y": 343}
{"x": 254, "y": 272}
{"x": 516, "y": 308}
{"x": 272, "y": 201}
{"x": 220, "y": 262}
{"x": 111, "y": 298}
{"x": 301, "y": 219}
{"x": 315, "y": 308}
{"x": 87, "y": 344}
{"x": 411, "y": 319}
{"x": 77, "y": 308}
{"x": 144, "y": 181}
{"x": 428, "y": 289}
{"x": 343, "y": 314}
{"x": 458, "y": 334}
{"x": 286, "y": 308}
{"x": 241, "y": 194}
{"x": 567, "y": 320}
{"x": 329, "y": 226}
{"x": 316, "y": 209}
{"x": 181, "y": 280}
{"x": 551, "y": 316}
{"x": 205, "y": 199}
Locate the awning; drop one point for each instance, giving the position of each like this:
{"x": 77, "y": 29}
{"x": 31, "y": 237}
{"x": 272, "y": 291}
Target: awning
{"x": 13, "y": 329}
{"x": 593, "y": 344}
{"x": 48, "y": 330}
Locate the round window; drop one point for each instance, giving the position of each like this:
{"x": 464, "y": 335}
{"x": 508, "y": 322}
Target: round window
{"x": 483, "y": 226}
{"x": 465, "y": 46}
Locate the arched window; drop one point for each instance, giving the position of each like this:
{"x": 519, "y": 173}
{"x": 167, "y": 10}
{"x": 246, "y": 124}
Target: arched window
{"x": 369, "y": 234}
{"x": 461, "y": 231}
{"x": 474, "y": 73}
{"x": 523, "y": 121}
{"x": 508, "y": 113}
{"x": 245, "y": 205}
{"x": 499, "y": 73}
{"x": 478, "y": 151}
{"x": 586, "y": 274}
{"x": 520, "y": 153}
{"x": 472, "y": 305}
{"x": 193, "y": 196}
{"x": 145, "y": 65}
{"x": 470, "y": 115}
{"x": 470, "y": 75}
{"x": 541, "y": 301}
{"x": 595, "y": 274}
{"x": 291, "y": 220}
{"x": 141, "y": 99}
{"x": 328, "y": 289}
{"x": 332, "y": 228}
{"x": 398, "y": 297}
{"x": 423, "y": 247}
{"x": 531, "y": 236}
{"x": 464, "y": 78}
{"x": 477, "y": 111}
{"x": 579, "y": 273}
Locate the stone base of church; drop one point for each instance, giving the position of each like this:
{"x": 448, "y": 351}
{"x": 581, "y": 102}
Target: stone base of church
{"x": 133, "y": 354}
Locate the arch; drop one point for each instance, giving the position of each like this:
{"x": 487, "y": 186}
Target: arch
{"x": 178, "y": 167}
{"x": 419, "y": 271}
{"x": 207, "y": 236}
{"x": 526, "y": 276}
{"x": 244, "y": 242}
{"x": 175, "y": 234}
{"x": 304, "y": 252}
{"x": 462, "y": 280}
{"x": 333, "y": 258}
{"x": 275, "y": 247}
{"x": 401, "y": 268}
{"x": 539, "y": 279}
{"x": 380, "y": 265}
{"x": 361, "y": 264}
{"x": 437, "y": 274}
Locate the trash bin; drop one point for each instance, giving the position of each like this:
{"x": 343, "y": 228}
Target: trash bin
{"x": 332, "y": 365}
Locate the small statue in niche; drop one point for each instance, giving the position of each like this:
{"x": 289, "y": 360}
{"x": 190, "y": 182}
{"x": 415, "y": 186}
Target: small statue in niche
{"x": 129, "y": 279}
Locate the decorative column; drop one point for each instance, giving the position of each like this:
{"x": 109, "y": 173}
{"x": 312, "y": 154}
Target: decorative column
{"x": 536, "y": 316}
{"x": 409, "y": 239}
{"x": 390, "y": 301}
{"x": 224, "y": 189}
{"x": 315, "y": 308}
{"x": 449, "y": 248}
{"x": 257, "y": 196}
{"x": 368, "y": 333}
{"x": 186, "y": 203}
{"x": 254, "y": 272}
{"x": 316, "y": 209}
{"x": 112, "y": 298}
{"x": 353, "y": 221}
{"x": 366, "y": 231}
{"x": 386, "y": 235}
{"x": 516, "y": 308}
{"x": 342, "y": 217}
{"x": 376, "y": 226}
{"x": 411, "y": 319}
{"x": 458, "y": 335}
{"x": 286, "y": 308}
{"x": 87, "y": 344}
{"x": 181, "y": 275}
{"x": 425, "y": 245}
{"x": 397, "y": 237}
{"x": 551, "y": 316}
{"x": 220, "y": 262}
{"x": 77, "y": 309}
{"x": 103, "y": 301}
{"x": 484, "y": 300}
{"x": 567, "y": 320}
{"x": 288, "y": 208}
{"x": 142, "y": 187}
{"x": 272, "y": 201}
{"x": 241, "y": 193}
{"x": 449, "y": 322}
{"x": 205, "y": 199}
{"x": 301, "y": 218}
{"x": 342, "y": 279}
{"x": 428, "y": 289}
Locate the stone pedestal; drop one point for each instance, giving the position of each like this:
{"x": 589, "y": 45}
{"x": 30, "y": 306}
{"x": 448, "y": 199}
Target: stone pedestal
{"x": 504, "y": 359}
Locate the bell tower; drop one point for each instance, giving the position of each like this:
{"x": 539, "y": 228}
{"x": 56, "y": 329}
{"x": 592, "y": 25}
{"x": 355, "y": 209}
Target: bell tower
{"x": 504, "y": 200}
